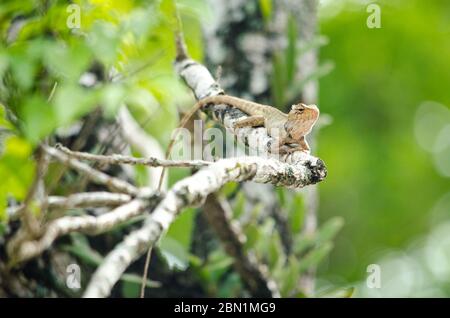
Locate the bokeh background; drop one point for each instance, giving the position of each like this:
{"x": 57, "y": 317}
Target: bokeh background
{"x": 388, "y": 149}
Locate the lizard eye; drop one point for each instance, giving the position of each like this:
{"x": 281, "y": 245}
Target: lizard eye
{"x": 299, "y": 108}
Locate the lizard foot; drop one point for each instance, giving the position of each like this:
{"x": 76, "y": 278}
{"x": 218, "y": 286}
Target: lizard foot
{"x": 291, "y": 150}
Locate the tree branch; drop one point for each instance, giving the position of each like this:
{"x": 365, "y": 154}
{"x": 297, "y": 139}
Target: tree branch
{"x": 85, "y": 224}
{"x": 121, "y": 159}
{"x": 254, "y": 275}
{"x": 192, "y": 191}
{"x": 145, "y": 144}
{"x": 77, "y": 200}
{"x": 87, "y": 200}
{"x": 114, "y": 184}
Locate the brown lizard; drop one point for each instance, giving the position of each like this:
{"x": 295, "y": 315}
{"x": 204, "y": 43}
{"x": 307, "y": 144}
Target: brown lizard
{"x": 288, "y": 130}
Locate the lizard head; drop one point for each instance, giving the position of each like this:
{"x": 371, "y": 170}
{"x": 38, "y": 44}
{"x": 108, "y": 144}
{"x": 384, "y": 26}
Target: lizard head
{"x": 301, "y": 119}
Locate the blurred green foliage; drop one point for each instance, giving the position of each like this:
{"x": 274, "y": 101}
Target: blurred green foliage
{"x": 41, "y": 68}
{"x": 380, "y": 180}
{"x": 43, "y": 54}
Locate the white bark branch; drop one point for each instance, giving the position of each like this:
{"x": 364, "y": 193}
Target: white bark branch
{"x": 121, "y": 159}
{"x": 114, "y": 184}
{"x": 192, "y": 191}
{"x": 88, "y": 200}
{"x": 145, "y": 144}
{"x": 77, "y": 200}
{"x": 85, "y": 224}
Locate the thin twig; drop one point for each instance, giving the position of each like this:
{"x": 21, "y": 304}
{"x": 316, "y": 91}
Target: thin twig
{"x": 135, "y": 135}
{"x": 77, "y": 200}
{"x": 114, "y": 184}
{"x": 88, "y": 200}
{"x": 121, "y": 159}
{"x": 145, "y": 274}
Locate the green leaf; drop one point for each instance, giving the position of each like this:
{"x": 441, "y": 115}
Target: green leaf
{"x": 139, "y": 23}
{"x": 253, "y": 235}
{"x": 141, "y": 101}
{"x": 281, "y": 194}
{"x": 314, "y": 257}
{"x": 231, "y": 287}
{"x": 174, "y": 253}
{"x": 16, "y": 168}
{"x": 169, "y": 9}
{"x": 218, "y": 264}
{"x": 3, "y": 225}
{"x": 329, "y": 230}
{"x": 3, "y": 62}
{"x": 278, "y": 80}
{"x": 71, "y": 102}
{"x": 68, "y": 62}
{"x": 315, "y": 43}
{"x": 337, "y": 293}
{"x": 39, "y": 118}
{"x": 239, "y": 206}
{"x": 81, "y": 249}
{"x": 104, "y": 41}
{"x": 293, "y": 90}
{"x": 130, "y": 290}
{"x": 266, "y": 229}
{"x": 325, "y": 234}
{"x": 181, "y": 228}
{"x": 266, "y": 9}
{"x": 230, "y": 188}
{"x": 111, "y": 98}
{"x": 175, "y": 245}
{"x": 302, "y": 243}
{"x": 24, "y": 68}
{"x": 291, "y": 50}
{"x": 136, "y": 279}
{"x": 4, "y": 122}
{"x": 275, "y": 253}
{"x": 3, "y": 213}
{"x": 290, "y": 276}
{"x": 296, "y": 213}
{"x": 141, "y": 175}
{"x": 17, "y": 147}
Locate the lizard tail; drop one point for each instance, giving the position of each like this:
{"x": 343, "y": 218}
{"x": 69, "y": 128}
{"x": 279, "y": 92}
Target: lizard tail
{"x": 182, "y": 124}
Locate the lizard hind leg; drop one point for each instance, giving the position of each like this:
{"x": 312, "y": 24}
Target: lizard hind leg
{"x": 252, "y": 121}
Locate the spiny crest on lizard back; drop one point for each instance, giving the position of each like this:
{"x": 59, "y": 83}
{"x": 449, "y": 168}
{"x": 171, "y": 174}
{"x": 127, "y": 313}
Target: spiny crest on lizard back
{"x": 304, "y": 116}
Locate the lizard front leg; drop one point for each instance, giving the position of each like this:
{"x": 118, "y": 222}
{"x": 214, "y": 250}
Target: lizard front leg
{"x": 252, "y": 121}
{"x": 302, "y": 145}
{"x": 279, "y": 146}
